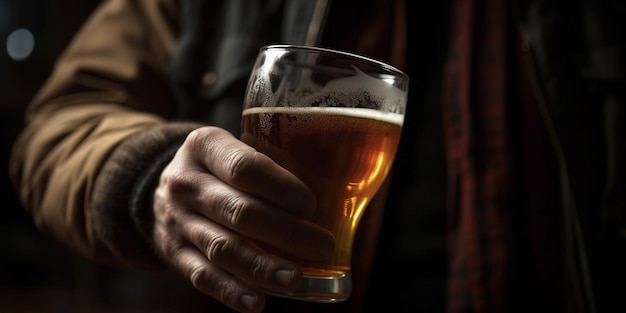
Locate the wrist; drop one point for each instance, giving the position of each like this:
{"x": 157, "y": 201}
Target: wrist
{"x": 122, "y": 194}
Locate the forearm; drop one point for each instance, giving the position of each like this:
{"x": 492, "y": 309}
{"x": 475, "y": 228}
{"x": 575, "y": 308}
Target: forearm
{"x": 107, "y": 86}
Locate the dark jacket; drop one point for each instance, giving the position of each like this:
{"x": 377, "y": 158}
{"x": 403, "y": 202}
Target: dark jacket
{"x": 579, "y": 54}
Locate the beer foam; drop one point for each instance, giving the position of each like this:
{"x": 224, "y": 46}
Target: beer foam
{"x": 296, "y": 116}
{"x": 392, "y": 118}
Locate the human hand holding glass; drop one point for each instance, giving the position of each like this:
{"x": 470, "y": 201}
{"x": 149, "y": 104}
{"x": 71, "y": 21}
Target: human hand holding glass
{"x": 334, "y": 120}
{"x": 215, "y": 202}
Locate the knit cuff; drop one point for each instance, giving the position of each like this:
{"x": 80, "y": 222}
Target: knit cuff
{"x": 123, "y": 190}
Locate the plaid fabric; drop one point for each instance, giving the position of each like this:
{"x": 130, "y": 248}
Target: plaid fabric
{"x": 479, "y": 158}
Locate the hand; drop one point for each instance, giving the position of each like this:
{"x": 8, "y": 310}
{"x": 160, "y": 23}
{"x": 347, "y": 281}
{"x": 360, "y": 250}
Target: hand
{"x": 217, "y": 200}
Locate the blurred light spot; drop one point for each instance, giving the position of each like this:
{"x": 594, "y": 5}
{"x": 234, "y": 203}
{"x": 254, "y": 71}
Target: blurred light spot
{"x": 20, "y": 44}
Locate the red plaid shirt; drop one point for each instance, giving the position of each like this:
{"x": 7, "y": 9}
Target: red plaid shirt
{"x": 502, "y": 173}
{"x": 479, "y": 158}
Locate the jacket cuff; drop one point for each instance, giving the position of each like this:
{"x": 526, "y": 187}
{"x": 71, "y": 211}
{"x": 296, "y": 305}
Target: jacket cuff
{"x": 122, "y": 193}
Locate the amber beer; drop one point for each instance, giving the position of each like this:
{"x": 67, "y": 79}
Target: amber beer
{"x": 342, "y": 154}
{"x": 333, "y": 119}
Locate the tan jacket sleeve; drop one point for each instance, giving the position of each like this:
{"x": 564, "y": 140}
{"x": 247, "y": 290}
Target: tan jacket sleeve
{"x": 108, "y": 85}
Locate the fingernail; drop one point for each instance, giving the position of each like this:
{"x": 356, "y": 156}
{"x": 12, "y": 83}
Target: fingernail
{"x": 248, "y": 301}
{"x": 284, "y": 277}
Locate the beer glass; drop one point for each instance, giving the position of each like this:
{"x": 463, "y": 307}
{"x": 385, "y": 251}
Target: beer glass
{"x": 334, "y": 120}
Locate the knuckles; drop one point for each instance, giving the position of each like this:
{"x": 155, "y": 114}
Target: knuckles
{"x": 239, "y": 163}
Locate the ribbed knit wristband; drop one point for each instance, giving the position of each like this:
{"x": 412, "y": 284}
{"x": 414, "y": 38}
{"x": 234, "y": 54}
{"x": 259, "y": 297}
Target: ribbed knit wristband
{"x": 122, "y": 194}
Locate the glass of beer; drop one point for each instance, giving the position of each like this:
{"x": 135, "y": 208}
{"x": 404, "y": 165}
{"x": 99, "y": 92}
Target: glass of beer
{"x": 334, "y": 120}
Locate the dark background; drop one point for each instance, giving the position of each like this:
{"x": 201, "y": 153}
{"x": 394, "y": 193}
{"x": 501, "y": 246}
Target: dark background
{"x": 36, "y": 273}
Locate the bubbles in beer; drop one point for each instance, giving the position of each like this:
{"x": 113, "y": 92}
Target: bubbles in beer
{"x": 355, "y": 91}
{"x": 293, "y": 118}
{"x": 364, "y": 91}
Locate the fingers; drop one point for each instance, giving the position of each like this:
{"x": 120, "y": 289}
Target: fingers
{"x": 239, "y": 257}
{"x": 219, "y": 263}
{"x": 259, "y": 220}
{"x": 254, "y": 218}
{"x": 218, "y": 284}
{"x": 250, "y": 171}
{"x": 241, "y": 189}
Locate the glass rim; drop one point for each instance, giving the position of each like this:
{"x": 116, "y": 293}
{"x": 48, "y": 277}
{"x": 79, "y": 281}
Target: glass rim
{"x": 348, "y": 54}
